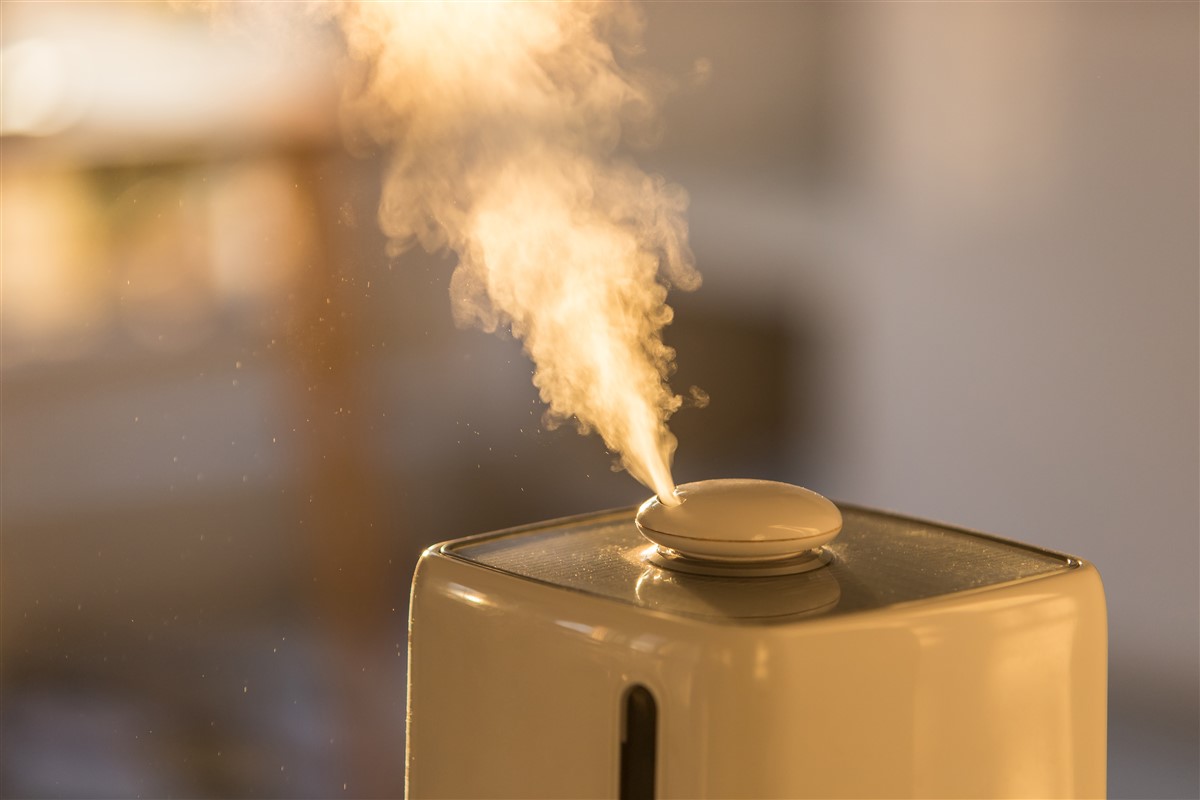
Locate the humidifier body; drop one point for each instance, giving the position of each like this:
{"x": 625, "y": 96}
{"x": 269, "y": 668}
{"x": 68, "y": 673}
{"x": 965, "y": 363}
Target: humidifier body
{"x": 921, "y": 661}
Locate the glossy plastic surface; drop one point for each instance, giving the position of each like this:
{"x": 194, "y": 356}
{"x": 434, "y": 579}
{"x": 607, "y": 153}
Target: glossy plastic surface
{"x": 879, "y": 560}
{"x": 740, "y": 519}
{"x": 517, "y": 683}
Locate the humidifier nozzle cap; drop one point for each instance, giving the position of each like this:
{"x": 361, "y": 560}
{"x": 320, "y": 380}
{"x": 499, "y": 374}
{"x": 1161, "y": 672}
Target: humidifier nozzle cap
{"x": 740, "y": 521}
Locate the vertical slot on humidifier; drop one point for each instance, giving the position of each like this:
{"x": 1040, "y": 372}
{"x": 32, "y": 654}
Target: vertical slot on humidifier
{"x": 639, "y": 737}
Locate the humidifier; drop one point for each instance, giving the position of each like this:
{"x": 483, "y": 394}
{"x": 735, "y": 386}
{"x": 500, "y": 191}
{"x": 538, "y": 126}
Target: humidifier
{"x": 751, "y": 639}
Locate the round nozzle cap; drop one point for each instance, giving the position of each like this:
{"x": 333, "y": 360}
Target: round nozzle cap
{"x": 740, "y": 521}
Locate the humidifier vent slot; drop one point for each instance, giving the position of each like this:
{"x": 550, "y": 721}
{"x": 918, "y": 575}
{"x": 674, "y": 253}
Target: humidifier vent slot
{"x": 639, "y": 737}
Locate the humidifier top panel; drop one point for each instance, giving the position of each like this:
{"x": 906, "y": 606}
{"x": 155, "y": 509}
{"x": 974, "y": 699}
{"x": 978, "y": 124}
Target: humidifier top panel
{"x": 878, "y": 560}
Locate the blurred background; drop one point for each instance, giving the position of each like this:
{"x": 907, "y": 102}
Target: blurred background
{"x": 951, "y": 269}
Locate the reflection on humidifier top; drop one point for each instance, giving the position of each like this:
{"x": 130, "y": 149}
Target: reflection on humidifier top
{"x": 876, "y": 560}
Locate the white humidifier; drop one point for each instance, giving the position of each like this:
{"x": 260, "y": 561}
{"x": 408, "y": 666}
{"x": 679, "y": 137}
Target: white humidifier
{"x": 753, "y": 641}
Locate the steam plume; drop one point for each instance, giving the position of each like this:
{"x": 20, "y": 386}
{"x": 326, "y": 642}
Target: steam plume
{"x": 503, "y": 119}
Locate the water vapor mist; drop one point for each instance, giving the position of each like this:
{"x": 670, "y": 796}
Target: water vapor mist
{"x": 503, "y": 120}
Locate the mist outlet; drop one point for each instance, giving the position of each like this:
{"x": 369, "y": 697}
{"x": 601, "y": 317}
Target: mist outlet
{"x": 740, "y": 527}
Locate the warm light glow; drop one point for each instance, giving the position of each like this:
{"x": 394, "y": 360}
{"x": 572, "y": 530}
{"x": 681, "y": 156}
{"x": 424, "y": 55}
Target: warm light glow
{"x": 503, "y": 119}
{"x": 54, "y": 292}
{"x": 38, "y": 97}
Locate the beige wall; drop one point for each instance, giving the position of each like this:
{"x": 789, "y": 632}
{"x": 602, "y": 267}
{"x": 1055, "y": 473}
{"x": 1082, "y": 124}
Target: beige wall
{"x": 987, "y": 216}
